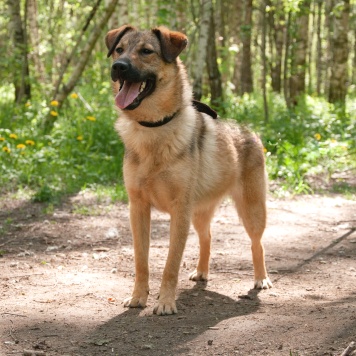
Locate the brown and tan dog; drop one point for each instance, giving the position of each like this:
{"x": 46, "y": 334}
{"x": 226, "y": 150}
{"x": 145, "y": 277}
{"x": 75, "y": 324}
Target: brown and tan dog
{"x": 178, "y": 159}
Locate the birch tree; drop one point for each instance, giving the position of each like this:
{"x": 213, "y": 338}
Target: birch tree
{"x": 216, "y": 91}
{"x": 21, "y": 73}
{"x": 276, "y": 20}
{"x": 339, "y": 75}
{"x": 66, "y": 88}
{"x": 246, "y": 65}
{"x": 206, "y": 8}
{"x": 236, "y": 21}
{"x": 319, "y": 52}
{"x": 299, "y": 52}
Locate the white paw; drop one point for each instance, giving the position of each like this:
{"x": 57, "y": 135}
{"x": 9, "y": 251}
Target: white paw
{"x": 165, "y": 307}
{"x": 135, "y": 302}
{"x": 198, "y": 276}
{"x": 263, "y": 283}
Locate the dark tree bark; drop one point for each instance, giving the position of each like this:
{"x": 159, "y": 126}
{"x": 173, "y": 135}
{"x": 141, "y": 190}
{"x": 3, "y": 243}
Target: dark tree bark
{"x": 277, "y": 24}
{"x": 21, "y": 73}
{"x": 286, "y": 60}
{"x": 236, "y": 21}
{"x": 339, "y": 75}
{"x": 319, "y": 52}
{"x": 299, "y": 52}
{"x": 264, "y": 58}
{"x": 246, "y": 66}
{"x": 212, "y": 66}
{"x": 206, "y": 8}
{"x": 329, "y": 5}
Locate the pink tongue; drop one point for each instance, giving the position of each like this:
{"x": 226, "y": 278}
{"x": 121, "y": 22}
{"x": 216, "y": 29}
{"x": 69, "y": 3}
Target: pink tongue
{"x": 128, "y": 93}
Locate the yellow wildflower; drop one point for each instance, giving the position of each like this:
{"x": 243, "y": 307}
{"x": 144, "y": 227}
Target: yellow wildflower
{"x": 30, "y": 142}
{"x": 74, "y": 96}
{"x": 27, "y": 104}
{"x": 264, "y": 149}
{"x": 54, "y": 113}
{"x": 91, "y": 118}
{"x": 21, "y": 146}
{"x": 317, "y": 136}
{"x": 54, "y": 103}
{"x": 6, "y": 149}
{"x": 2, "y": 139}
{"x": 14, "y": 136}
{"x": 80, "y": 138}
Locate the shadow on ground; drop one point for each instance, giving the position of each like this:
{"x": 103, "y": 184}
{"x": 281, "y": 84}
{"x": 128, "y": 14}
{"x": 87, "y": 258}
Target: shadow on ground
{"x": 136, "y": 332}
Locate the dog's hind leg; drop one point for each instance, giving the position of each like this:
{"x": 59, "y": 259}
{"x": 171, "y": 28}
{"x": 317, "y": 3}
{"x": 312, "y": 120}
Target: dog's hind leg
{"x": 250, "y": 200}
{"x": 201, "y": 222}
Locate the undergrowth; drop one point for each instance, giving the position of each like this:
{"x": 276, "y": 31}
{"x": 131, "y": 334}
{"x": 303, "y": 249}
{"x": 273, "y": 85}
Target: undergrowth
{"x": 303, "y": 146}
{"x": 306, "y": 147}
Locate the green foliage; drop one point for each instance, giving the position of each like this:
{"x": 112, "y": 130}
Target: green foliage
{"x": 313, "y": 140}
{"x": 83, "y": 152}
{"x": 83, "y": 149}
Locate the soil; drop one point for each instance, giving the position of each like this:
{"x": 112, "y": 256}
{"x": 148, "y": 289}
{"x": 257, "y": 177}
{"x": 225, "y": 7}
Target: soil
{"x": 65, "y": 272}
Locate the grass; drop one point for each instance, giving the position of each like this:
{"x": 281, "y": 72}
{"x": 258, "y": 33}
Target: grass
{"x": 83, "y": 150}
{"x": 303, "y": 146}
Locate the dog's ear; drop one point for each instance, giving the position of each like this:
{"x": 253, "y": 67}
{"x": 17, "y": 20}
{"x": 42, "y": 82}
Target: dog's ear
{"x": 113, "y": 37}
{"x": 172, "y": 42}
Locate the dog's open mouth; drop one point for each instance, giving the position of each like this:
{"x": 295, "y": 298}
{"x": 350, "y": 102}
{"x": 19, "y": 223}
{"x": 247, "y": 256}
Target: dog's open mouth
{"x": 132, "y": 93}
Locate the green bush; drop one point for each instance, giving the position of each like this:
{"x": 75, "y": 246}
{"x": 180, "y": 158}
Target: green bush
{"x": 315, "y": 139}
{"x": 83, "y": 149}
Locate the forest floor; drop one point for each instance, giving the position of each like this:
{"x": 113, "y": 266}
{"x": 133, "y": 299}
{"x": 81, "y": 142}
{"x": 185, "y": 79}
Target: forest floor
{"x": 65, "y": 272}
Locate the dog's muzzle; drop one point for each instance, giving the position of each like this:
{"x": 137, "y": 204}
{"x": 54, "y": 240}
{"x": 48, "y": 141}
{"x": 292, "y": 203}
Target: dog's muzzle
{"x": 134, "y": 85}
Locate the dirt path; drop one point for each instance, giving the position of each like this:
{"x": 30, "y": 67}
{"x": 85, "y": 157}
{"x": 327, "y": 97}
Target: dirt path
{"x": 64, "y": 275}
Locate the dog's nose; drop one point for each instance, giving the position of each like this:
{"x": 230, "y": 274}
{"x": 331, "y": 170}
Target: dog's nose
{"x": 121, "y": 65}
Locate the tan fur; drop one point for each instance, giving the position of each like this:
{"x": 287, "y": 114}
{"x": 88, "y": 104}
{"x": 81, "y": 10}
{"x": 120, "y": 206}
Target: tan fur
{"x": 184, "y": 168}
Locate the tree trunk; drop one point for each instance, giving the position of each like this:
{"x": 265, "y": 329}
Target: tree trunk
{"x": 114, "y": 19}
{"x": 206, "y": 8}
{"x": 212, "y": 66}
{"x": 299, "y": 53}
{"x": 85, "y": 53}
{"x": 286, "y": 61}
{"x": 236, "y": 22}
{"x": 246, "y": 67}
{"x": 339, "y": 76}
{"x": 319, "y": 51}
{"x": 69, "y": 59}
{"x": 264, "y": 58}
{"x": 34, "y": 38}
{"x": 312, "y": 32}
{"x": 17, "y": 29}
{"x": 354, "y": 61}
{"x": 277, "y": 24}
{"x": 329, "y": 5}
{"x": 123, "y": 13}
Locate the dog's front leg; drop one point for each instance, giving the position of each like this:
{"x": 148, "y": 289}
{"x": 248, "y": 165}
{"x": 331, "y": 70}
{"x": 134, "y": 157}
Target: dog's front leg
{"x": 179, "y": 229}
{"x": 140, "y": 216}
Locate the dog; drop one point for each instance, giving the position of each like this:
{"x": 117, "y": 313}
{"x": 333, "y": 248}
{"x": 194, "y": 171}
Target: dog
{"x": 179, "y": 159}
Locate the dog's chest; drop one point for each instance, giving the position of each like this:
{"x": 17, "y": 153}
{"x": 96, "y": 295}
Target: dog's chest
{"x": 157, "y": 185}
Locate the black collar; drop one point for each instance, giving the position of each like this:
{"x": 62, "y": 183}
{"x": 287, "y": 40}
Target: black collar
{"x": 166, "y": 120}
{"x": 201, "y": 107}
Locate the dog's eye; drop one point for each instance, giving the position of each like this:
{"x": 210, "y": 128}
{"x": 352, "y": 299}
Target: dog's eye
{"x": 146, "y": 51}
{"x": 119, "y": 50}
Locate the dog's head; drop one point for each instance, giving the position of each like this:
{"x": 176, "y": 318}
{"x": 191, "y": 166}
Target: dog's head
{"x": 138, "y": 61}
